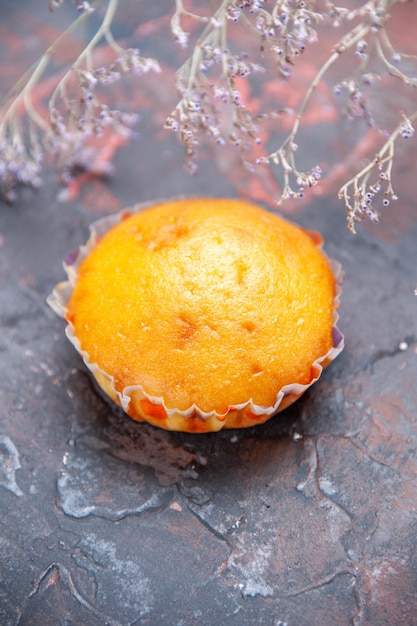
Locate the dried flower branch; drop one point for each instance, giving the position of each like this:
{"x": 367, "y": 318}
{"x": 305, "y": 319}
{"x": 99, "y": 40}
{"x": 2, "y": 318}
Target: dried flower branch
{"x": 357, "y": 108}
{"x": 285, "y": 154}
{"x": 285, "y": 29}
{"x": 211, "y": 103}
{"x": 365, "y": 189}
{"x": 76, "y": 110}
{"x": 212, "y": 86}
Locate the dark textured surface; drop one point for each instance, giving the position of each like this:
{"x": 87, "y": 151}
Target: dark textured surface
{"x": 309, "y": 519}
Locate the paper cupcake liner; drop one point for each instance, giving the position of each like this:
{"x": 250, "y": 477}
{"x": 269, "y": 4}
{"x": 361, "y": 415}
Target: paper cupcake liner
{"x": 140, "y": 405}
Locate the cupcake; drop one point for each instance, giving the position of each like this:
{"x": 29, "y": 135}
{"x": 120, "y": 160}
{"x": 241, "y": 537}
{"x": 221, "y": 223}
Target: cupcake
{"x": 201, "y": 314}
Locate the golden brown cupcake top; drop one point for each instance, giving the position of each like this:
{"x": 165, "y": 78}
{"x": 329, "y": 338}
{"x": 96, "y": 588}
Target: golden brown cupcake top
{"x": 209, "y": 302}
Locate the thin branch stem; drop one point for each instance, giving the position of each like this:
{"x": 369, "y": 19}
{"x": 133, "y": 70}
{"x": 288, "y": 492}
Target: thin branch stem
{"x": 387, "y": 43}
{"x": 34, "y": 73}
{"x": 345, "y": 43}
{"x": 379, "y": 158}
{"x": 393, "y": 70}
{"x": 100, "y": 33}
{"x": 179, "y": 11}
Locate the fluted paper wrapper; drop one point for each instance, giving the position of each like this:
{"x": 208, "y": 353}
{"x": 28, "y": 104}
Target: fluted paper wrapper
{"x": 142, "y": 406}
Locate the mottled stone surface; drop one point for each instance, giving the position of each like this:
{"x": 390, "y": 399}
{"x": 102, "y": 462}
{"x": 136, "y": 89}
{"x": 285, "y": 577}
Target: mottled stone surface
{"x": 310, "y": 519}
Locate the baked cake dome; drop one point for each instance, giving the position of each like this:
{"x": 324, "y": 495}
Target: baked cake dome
{"x": 199, "y": 314}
